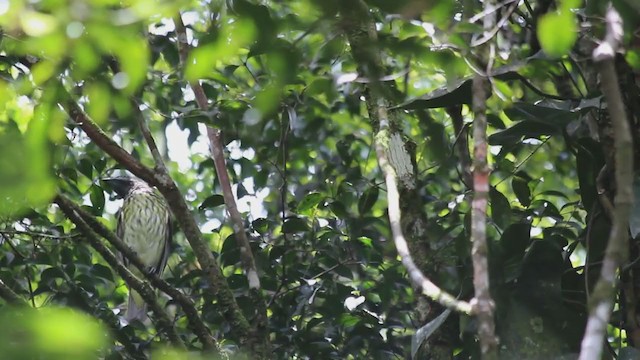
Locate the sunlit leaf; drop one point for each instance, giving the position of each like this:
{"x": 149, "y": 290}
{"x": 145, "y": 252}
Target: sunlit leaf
{"x": 557, "y": 32}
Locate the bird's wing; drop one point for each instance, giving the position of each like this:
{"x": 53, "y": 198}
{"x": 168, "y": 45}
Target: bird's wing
{"x": 120, "y": 234}
{"x": 166, "y": 250}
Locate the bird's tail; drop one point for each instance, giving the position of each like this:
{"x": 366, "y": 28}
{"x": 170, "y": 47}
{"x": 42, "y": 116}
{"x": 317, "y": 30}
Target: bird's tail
{"x": 136, "y": 307}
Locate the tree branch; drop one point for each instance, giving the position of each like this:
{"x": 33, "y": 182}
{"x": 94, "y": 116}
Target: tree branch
{"x": 151, "y": 143}
{"x": 217, "y": 151}
{"x": 195, "y": 322}
{"x": 145, "y": 291}
{"x": 616, "y": 252}
{"x": 104, "y": 141}
{"x": 483, "y": 304}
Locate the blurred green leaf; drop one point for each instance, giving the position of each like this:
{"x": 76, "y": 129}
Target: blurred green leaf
{"x": 51, "y": 333}
{"x": 557, "y": 32}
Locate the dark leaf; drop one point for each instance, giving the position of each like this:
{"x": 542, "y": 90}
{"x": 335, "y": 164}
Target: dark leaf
{"x": 310, "y": 200}
{"x": 211, "y": 202}
{"x": 294, "y": 224}
{"x": 520, "y": 187}
{"x": 367, "y": 200}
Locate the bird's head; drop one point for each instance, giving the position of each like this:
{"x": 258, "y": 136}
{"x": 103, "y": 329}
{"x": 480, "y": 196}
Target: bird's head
{"x": 121, "y": 185}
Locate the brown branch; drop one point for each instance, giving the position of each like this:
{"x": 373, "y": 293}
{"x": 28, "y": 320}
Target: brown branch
{"x": 104, "y": 141}
{"x": 260, "y": 327}
{"x": 616, "y": 252}
{"x": 238, "y": 225}
{"x": 219, "y": 288}
{"x": 187, "y": 305}
{"x": 145, "y": 291}
{"x": 361, "y": 33}
{"x": 483, "y": 304}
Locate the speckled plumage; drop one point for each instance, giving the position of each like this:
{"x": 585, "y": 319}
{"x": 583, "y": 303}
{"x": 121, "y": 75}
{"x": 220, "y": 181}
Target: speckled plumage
{"x": 144, "y": 223}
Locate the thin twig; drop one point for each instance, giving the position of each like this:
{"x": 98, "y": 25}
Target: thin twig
{"x": 37, "y": 234}
{"x": 488, "y": 35}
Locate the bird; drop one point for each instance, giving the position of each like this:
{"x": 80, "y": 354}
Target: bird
{"x": 144, "y": 224}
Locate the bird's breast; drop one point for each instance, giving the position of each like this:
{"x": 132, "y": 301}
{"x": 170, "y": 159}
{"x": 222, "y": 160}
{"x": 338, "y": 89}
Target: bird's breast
{"x": 145, "y": 226}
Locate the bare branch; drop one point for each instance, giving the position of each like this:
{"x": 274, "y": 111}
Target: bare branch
{"x": 616, "y": 252}
{"x": 145, "y": 291}
{"x": 260, "y": 324}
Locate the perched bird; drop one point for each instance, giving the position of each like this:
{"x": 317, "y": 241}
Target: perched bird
{"x": 144, "y": 223}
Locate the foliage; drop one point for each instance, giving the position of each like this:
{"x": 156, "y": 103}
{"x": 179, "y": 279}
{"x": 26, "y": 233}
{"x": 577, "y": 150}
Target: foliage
{"x": 287, "y": 96}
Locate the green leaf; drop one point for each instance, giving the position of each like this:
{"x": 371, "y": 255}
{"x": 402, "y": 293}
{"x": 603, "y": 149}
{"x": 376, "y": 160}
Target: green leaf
{"x": 85, "y": 167}
{"x": 457, "y": 92}
{"x": 241, "y": 191}
{"x": 367, "y": 200}
{"x": 25, "y": 178}
{"x": 233, "y": 37}
{"x": 339, "y": 209}
{"x": 294, "y": 224}
{"x": 557, "y": 32}
{"x": 520, "y": 131}
{"x": 500, "y": 208}
{"x": 515, "y": 239}
{"x": 97, "y": 199}
{"x": 211, "y": 202}
{"x": 310, "y": 201}
{"x": 520, "y": 187}
{"x": 260, "y": 225}
{"x": 51, "y": 333}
